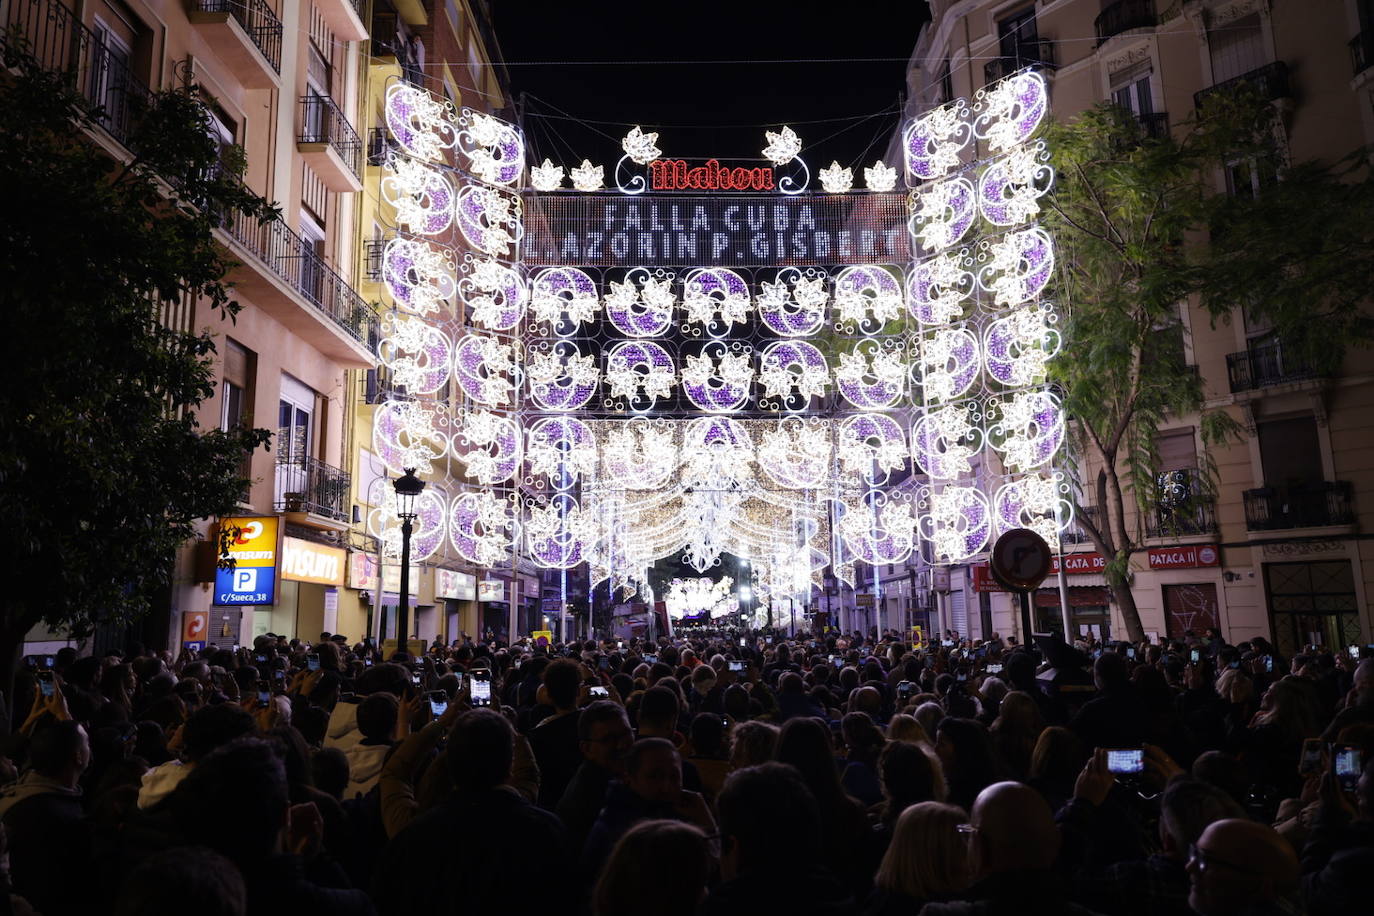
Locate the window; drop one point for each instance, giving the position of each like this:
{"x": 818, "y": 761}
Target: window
{"x": 1134, "y": 95}
{"x": 1017, "y": 35}
{"x": 235, "y": 387}
{"x": 1249, "y": 176}
{"x": 1177, "y": 449}
{"x": 946, "y": 83}
{"x": 295, "y": 426}
{"x": 1290, "y": 452}
{"x": 312, "y": 263}
{"x": 1237, "y": 47}
{"x": 111, "y": 80}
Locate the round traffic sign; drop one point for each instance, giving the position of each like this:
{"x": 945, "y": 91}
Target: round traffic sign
{"x": 1020, "y": 559}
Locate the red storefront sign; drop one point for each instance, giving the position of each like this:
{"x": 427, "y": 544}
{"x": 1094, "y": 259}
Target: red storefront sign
{"x": 1187, "y": 556}
{"x": 678, "y": 175}
{"x": 1075, "y": 564}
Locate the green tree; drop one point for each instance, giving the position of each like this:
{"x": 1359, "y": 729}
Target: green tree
{"x": 1142, "y": 232}
{"x": 103, "y": 467}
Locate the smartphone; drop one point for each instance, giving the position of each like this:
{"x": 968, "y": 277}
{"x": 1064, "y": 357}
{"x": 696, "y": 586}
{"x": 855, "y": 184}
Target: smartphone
{"x": 367, "y": 663}
{"x": 1126, "y": 761}
{"x": 904, "y": 689}
{"x": 599, "y": 693}
{"x": 1269, "y": 663}
{"x": 743, "y": 642}
{"x": 312, "y": 662}
{"x": 1348, "y": 762}
{"x": 48, "y": 661}
{"x": 961, "y": 676}
{"x": 1195, "y": 655}
{"x": 603, "y": 663}
{"x": 479, "y": 684}
{"x": 994, "y": 669}
{"x": 768, "y": 640}
{"x": 1354, "y": 652}
{"x": 415, "y": 676}
{"x": 438, "y": 703}
{"x": 260, "y": 659}
{"x": 1311, "y": 760}
{"x": 735, "y": 665}
{"x": 45, "y": 682}
{"x": 650, "y": 658}
{"x": 1130, "y": 651}
{"x": 264, "y": 694}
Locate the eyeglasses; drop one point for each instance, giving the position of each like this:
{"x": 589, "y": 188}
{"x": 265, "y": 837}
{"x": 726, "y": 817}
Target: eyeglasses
{"x": 1205, "y": 860}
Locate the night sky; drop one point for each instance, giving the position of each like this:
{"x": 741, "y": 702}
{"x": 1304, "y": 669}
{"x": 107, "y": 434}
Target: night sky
{"x": 704, "y": 110}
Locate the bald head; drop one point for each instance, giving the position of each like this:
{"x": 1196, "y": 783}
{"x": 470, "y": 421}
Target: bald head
{"x": 1239, "y": 864}
{"x": 1016, "y": 830}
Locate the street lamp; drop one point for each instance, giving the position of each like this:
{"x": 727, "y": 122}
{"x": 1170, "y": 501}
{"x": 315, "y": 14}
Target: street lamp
{"x": 408, "y": 489}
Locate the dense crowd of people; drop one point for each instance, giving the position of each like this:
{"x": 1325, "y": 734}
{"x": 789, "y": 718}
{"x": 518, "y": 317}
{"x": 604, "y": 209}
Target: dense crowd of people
{"x": 717, "y": 772}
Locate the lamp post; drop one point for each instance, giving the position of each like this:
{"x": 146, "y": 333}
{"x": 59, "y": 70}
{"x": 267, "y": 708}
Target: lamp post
{"x": 408, "y": 490}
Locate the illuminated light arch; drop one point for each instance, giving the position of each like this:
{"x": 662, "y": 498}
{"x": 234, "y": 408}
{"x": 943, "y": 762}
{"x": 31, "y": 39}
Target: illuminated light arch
{"x": 483, "y": 367}
{"x": 870, "y": 377}
{"x": 933, "y": 142}
{"x": 494, "y": 150}
{"x": 788, "y": 366}
{"x": 939, "y": 288}
{"x": 489, "y": 445}
{"x": 641, "y": 372}
{"x": 559, "y": 291}
{"x": 794, "y": 304}
{"x": 561, "y": 377}
{"x": 642, "y": 305}
{"x": 713, "y": 291}
{"x": 495, "y": 294}
{"x": 480, "y": 526}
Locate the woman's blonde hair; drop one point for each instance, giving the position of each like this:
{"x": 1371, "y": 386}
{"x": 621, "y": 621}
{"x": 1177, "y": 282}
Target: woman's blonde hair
{"x": 928, "y": 856}
{"x": 904, "y": 727}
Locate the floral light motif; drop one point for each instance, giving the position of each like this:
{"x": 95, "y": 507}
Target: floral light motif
{"x": 633, "y": 366}
{"x": 417, "y": 353}
{"x": 496, "y": 294}
{"x": 480, "y": 365}
{"x": 783, "y": 146}
{"x": 795, "y": 312}
{"x": 495, "y": 449}
{"x": 868, "y": 440}
{"x": 886, "y": 370}
{"x": 880, "y": 177}
{"x": 564, "y": 290}
{"x": 419, "y": 276}
{"x": 694, "y": 597}
{"x": 1019, "y": 265}
{"x": 1037, "y": 502}
{"x": 959, "y": 524}
{"x": 949, "y": 363}
{"x": 795, "y": 454}
{"x": 421, "y": 124}
{"x": 558, "y": 533}
{"x": 478, "y": 526}
{"x": 404, "y": 435}
{"x": 1029, "y": 430}
{"x": 427, "y": 527}
{"x": 836, "y": 179}
{"x": 881, "y": 533}
{"x": 562, "y": 449}
{"x": 938, "y": 288}
{"x": 588, "y": 177}
{"x": 1009, "y": 188}
{"x": 1011, "y": 110}
{"x": 943, "y": 441}
{"x": 933, "y": 142}
{"x": 643, "y": 311}
{"x": 715, "y": 290}
{"x": 1017, "y": 348}
{"x": 869, "y": 289}
{"x": 494, "y": 150}
{"x": 422, "y": 196}
{"x": 640, "y": 147}
{"x": 789, "y": 364}
{"x": 718, "y": 385}
{"x": 640, "y": 455}
{"x": 561, "y": 378}
{"x": 944, "y": 213}
{"x": 489, "y": 219}
{"x": 546, "y": 177}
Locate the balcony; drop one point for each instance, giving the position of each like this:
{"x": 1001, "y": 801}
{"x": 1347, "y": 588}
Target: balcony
{"x": 394, "y": 50}
{"x": 1154, "y": 126}
{"x": 1314, "y": 505}
{"x": 1183, "y": 506}
{"x": 245, "y": 34}
{"x": 59, "y": 42}
{"x": 1265, "y": 366}
{"x": 1362, "y": 51}
{"x": 379, "y": 145}
{"x": 347, "y": 19}
{"x": 329, "y": 144}
{"x": 1123, "y": 16}
{"x": 1038, "y": 54}
{"x": 308, "y": 485}
{"x": 278, "y": 269}
{"x": 1269, "y": 82}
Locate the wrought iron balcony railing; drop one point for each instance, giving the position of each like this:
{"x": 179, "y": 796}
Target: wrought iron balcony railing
{"x": 256, "y": 19}
{"x": 1269, "y": 82}
{"x": 1266, "y": 365}
{"x": 1123, "y": 16}
{"x": 295, "y": 261}
{"x": 1183, "y": 505}
{"x": 323, "y": 122}
{"x": 1310, "y": 505}
{"x": 1039, "y": 53}
{"x": 307, "y": 484}
{"x": 58, "y": 41}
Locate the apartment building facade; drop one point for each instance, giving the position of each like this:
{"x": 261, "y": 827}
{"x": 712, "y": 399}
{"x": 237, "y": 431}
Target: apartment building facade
{"x": 281, "y": 80}
{"x": 1276, "y": 543}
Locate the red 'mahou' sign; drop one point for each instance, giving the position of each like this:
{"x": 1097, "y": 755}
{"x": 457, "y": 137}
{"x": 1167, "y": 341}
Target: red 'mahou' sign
{"x": 677, "y": 175}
